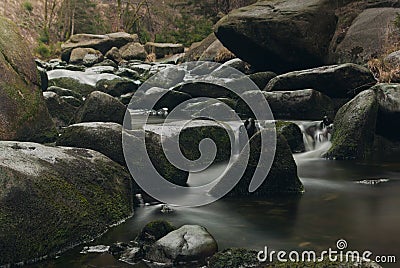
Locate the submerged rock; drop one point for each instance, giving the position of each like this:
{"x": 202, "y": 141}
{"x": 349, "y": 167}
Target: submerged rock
{"x": 335, "y": 81}
{"x": 100, "y": 107}
{"x": 355, "y": 125}
{"x": 23, "y": 113}
{"x": 56, "y": 198}
{"x": 188, "y": 243}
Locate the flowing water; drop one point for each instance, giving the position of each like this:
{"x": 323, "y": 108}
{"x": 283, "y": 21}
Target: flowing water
{"x": 333, "y": 207}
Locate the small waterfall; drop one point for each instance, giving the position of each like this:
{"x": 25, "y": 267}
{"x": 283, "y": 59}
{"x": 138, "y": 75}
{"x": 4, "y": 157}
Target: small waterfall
{"x": 316, "y": 137}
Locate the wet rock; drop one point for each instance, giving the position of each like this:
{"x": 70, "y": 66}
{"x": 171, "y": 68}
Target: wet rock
{"x": 117, "y": 86}
{"x": 85, "y": 56}
{"x": 61, "y": 111}
{"x": 388, "y": 96}
{"x": 163, "y": 49}
{"x": 100, "y": 107}
{"x": 72, "y": 101}
{"x": 355, "y": 125}
{"x": 103, "y": 43}
{"x": 57, "y": 197}
{"x": 105, "y": 138}
{"x": 293, "y": 135}
{"x": 153, "y": 231}
{"x": 362, "y": 40}
{"x": 170, "y": 99}
{"x": 335, "y": 81}
{"x": 118, "y": 248}
{"x": 64, "y": 92}
{"x": 44, "y": 79}
{"x": 23, "y": 113}
{"x": 282, "y": 178}
{"x": 188, "y": 243}
{"x": 306, "y": 104}
{"x": 133, "y": 51}
{"x": 279, "y": 35}
{"x": 202, "y": 89}
{"x": 72, "y": 84}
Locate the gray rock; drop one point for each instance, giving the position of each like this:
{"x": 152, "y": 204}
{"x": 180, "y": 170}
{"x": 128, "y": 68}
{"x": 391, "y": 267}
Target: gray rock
{"x": 336, "y": 81}
{"x": 188, "y": 243}
{"x": 64, "y": 92}
{"x": 57, "y": 197}
{"x": 117, "y": 86}
{"x": 293, "y": 135}
{"x": 61, "y": 111}
{"x": 163, "y": 49}
{"x": 103, "y": 43}
{"x": 105, "y": 138}
{"x": 261, "y": 79}
{"x": 354, "y": 130}
{"x": 306, "y": 104}
{"x": 393, "y": 59}
{"x": 280, "y": 35}
{"x": 170, "y": 99}
{"x": 133, "y": 51}
{"x": 114, "y": 54}
{"x": 85, "y": 56}
{"x": 100, "y": 107}
{"x": 364, "y": 39}
{"x": 72, "y": 101}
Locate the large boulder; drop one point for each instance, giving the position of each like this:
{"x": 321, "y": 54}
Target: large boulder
{"x": 103, "y": 43}
{"x": 188, "y": 243}
{"x": 163, "y": 49}
{"x": 354, "y": 130}
{"x": 117, "y": 87}
{"x": 306, "y": 104}
{"x": 100, "y": 107}
{"x": 54, "y": 198}
{"x": 292, "y": 134}
{"x": 282, "y": 178}
{"x": 23, "y": 113}
{"x": 280, "y": 35}
{"x": 105, "y": 138}
{"x": 170, "y": 98}
{"x": 367, "y": 36}
{"x": 335, "y": 81}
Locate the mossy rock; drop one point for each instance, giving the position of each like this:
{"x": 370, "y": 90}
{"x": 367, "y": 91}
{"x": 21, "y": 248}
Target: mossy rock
{"x": 116, "y": 87}
{"x": 72, "y": 84}
{"x": 354, "y": 128}
{"x": 234, "y": 258}
{"x": 57, "y": 198}
{"x": 23, "y": 113}
{"x": 153, "y": 231}
{"x": 61, "y": 111}
{"x": 293, "y": 135}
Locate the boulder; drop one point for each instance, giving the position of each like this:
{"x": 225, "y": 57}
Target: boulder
{"x": 116, "y": 87}
{"x": 170, "y": 99}
{"x": 153, "y": 231}
{"x": 393, "y": 59}
{"x": 335, "y": 81}
{"x": 261, "y": 79}
{"x": 282, "y": 178}
{"x": 217, "y": 52}
{"x": 72, "y": 101}
{"x": 103, "y": 43}
{"x": 203, "y": 89}
{"x": 387, "y": 124}
{"x": 44, "y": 79}
{"x": 61, "y": 111}
{"x": 85, "y": 56}
{"x": 62, "y": 92}
{"x": 306, "y": 104}
{"x": 188, "y": 243}
{"x": 196, "y": 50}
{"x": 100, "y": 107}
{"x": 105, "y": 138}
{"x": 354, "y": 128}
{"x": 23, "y": 112}
{"x": 292, "y": 134}
{"x": 75, "y": 85}
{"x": 55, "y": 198}
{"x": 365, "y": 38}
{"x": 114, "y": 54}
{"x": 163, "y": 49}
{"x": 280, "y": 35}
{"x": 133, "y": 51}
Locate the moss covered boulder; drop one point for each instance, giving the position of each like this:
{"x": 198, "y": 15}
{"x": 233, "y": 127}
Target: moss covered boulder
{"x": 54, "y": 198}
{"x": 234, "y": 258}
{"x": 61, "y": 111}
{"x": 354, "y": 127}
{"x": 153, "y": 231}
{"x": 293, "y": 135}
{"x": 23, "y": 113}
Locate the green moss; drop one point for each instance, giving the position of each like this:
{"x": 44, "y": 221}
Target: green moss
{"x": 154, "y": 230}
